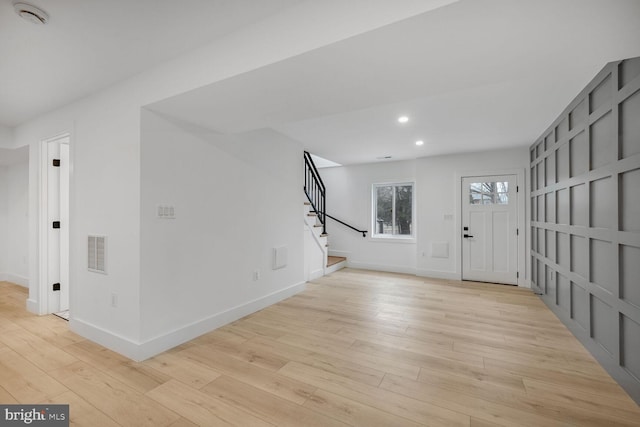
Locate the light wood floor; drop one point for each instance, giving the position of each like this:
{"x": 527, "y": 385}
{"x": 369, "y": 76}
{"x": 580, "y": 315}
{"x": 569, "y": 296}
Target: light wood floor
{"x": 356, "y": 348}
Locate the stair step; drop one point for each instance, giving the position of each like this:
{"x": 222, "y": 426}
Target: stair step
{"x": 311, "y": 214}
{"x": 332, "y": 260}
{"x": 324, "y": 235}
{"x": 317, "y": 225}
{"x": 307, "y": 204}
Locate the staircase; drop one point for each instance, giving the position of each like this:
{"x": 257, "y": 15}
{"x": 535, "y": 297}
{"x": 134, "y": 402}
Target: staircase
{"x": 315, "y": 220}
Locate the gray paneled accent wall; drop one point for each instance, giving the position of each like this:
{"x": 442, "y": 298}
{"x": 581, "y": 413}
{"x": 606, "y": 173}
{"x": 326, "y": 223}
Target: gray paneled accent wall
{"x": 585, "y": 219}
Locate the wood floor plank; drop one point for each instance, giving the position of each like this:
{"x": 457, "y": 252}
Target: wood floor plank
{"x": 265, "y": 405}
{"x": 352, "y": 412}
{"x": 279, "y": 385}
{"x": 124, "y": 404}
{"x": 194, "y": 374}
{"x": 36, "y": 350}
{"x": 25, "y": 381}
{"x": 81, "y": 412}
{"x": 394, "y": 403}
{"x": 200, "y": 408}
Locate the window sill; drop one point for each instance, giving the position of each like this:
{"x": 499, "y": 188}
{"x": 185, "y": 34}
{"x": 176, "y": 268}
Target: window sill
{"x": 394, "y": 239}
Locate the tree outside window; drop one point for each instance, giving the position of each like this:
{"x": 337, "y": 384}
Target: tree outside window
{"x": 393, "y": 210}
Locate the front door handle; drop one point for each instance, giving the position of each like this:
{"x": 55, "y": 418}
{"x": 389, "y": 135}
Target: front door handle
{"x": 466, "y": 236}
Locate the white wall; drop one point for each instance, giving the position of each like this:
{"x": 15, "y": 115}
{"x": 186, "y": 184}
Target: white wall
{"x": 6, "y": 137}
{"x": 349, "y": 198}
{"x": 105, "y": 154}
{"x": 4, "y": 219}
{"x": 236, "y": 198}
{"x": 17, "y": 268}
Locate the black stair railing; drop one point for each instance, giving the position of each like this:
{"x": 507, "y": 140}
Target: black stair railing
{"x": 315, "y": 190}
{"x": 316, "y": 194}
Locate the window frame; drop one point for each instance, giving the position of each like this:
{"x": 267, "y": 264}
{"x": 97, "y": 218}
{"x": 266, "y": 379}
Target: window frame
{"x": 403, "y": 238}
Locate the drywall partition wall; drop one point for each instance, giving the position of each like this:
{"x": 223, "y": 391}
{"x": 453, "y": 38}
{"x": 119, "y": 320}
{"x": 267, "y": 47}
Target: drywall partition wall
{"x": 105, "y": 152}
{"x": 17, "y": 267}
{"x": 585, "y": 219}
{"x": 235, "y": 198}
{"x": 436, "y": 222}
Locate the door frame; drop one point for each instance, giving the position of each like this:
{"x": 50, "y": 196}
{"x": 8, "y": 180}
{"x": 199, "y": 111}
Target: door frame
{"x": 43, "y": 220}
{"x": 521, "y": 217}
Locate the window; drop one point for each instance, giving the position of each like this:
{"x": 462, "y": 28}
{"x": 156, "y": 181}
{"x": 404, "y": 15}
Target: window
{"x": 393, "y": 210}
{"x": 489, "y": 193}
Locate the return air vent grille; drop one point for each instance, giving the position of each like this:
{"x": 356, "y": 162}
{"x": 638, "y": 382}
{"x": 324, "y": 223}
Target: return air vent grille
{"x": 96, "y": 255}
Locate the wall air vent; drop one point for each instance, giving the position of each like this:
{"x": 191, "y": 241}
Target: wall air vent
{"x": 97, "y": 254}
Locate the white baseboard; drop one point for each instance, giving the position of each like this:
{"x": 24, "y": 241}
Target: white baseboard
{"x": 381, "y": 267}
{"x": 436, "y": 274}
{"x": 316, "y": 274}
{"x": 3, "y": 277}
{"x": 17, "y": 279}
{"x": 33, "y": 306}
{"x": 139, "y": 351}
{"x": 335, "y": 267}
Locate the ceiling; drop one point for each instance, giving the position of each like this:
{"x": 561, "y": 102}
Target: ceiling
{"x": 474, "y": 75}
{"x": 88, "y": 45}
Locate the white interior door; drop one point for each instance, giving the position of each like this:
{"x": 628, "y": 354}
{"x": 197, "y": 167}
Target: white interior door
{"x": 489, "y": 229}
{"x": 64, "y": 227}
{"x": 57, "y": 190}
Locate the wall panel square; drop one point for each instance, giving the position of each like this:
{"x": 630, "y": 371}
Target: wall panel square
{"x": 550, "y": 245}
{"x": 603, "y": 198}
{"x": 540, "y": 174}
{"x": 562, "y": 206}
{"x": 579, "y": 205}
{"x": 603, "y": 321}
{"x": 602, "y": 142}
{"x": 630, "y": 126}
{"x": 550, "y": 170}
{"x": 562, "y": 249}
{"x": 578, "y": 154}
{"x": 562, "y": 130}
{"x": 629, "y": 70}
{"x": 629, "y": 203}
{"x": 540, "y": 204}
{"x": 540, "y": 241}
{"x": 550, "y": 207}
{"x": 563, "y": 292}
{"x": 601, "y": 95}
{"x": 580, "y": 305}
{"x": 562, "y": 163}
{"x": 578, "y": 116}
{"x": 602, "y": 269}
{"x": 630, "y": 345}
{"x": 579, "y": 250}
{"x": 630, "y": 275}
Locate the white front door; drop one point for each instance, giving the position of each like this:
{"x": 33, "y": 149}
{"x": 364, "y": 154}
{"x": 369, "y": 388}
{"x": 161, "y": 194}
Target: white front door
{"x": 489, "y": 229}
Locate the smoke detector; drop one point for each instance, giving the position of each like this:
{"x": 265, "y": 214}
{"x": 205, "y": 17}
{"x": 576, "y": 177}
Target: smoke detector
{"x": 31, "y": 13}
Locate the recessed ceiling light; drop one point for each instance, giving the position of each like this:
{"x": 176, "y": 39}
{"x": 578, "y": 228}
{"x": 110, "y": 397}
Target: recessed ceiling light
{"x": 418, "y": 143}
{"x": 403, "y": 119}
{"x": 31, "y": 13}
